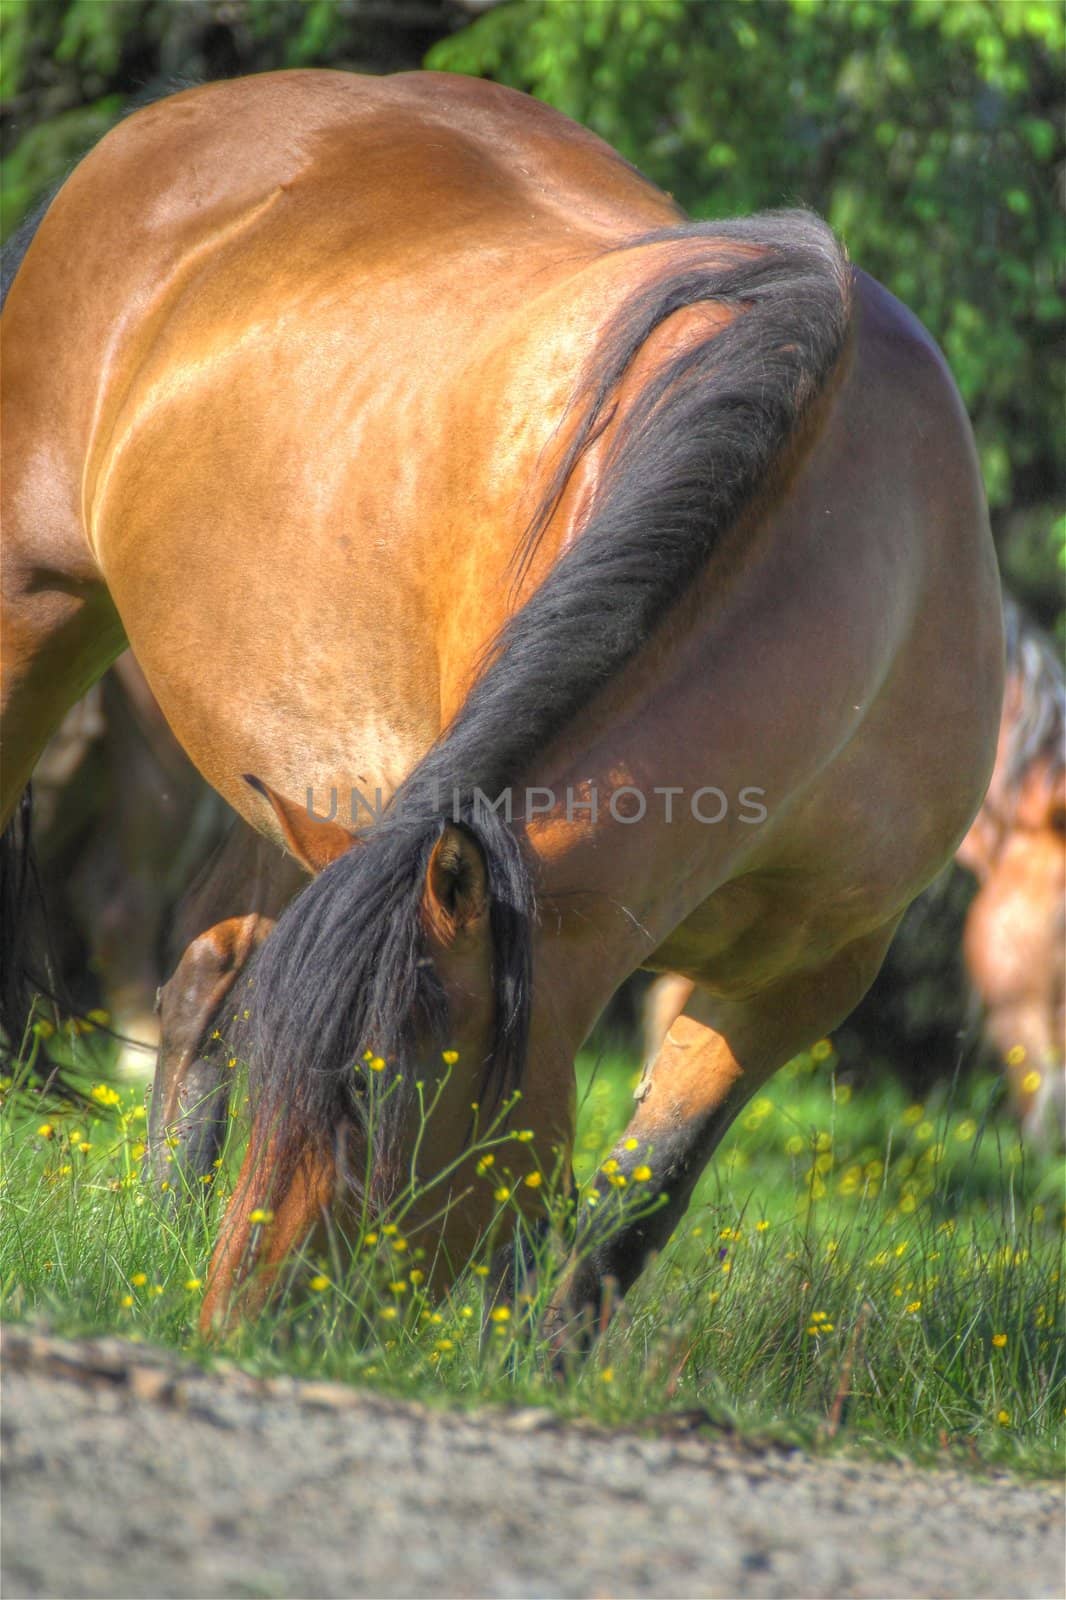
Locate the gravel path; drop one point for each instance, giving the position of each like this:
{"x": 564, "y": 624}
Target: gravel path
{"x": 129, "y": 1473}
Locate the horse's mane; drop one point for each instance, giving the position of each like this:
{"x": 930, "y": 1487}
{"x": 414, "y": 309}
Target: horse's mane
{"x": 344, "y": 971}
{"x": 1036, "y": 679}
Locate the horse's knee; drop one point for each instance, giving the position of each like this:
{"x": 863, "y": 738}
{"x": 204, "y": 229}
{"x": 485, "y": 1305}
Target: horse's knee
{"x": 190, "y": 1097}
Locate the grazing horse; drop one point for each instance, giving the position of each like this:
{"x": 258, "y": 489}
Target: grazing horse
{"x": 419, "y": 445}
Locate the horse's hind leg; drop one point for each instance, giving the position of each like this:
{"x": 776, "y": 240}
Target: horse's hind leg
{"x": 226, "y": 916}
{"x": 701, "y": 1078}
{"x": 58, "y": 635}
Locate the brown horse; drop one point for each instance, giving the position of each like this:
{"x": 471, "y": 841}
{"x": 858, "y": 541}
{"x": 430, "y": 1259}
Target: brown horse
{"x": 419, "y": 445}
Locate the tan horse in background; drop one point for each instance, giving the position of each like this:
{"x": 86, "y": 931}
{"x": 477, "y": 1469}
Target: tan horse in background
{"x": 1015, "y": 934}
{"x": 418, "y": 444}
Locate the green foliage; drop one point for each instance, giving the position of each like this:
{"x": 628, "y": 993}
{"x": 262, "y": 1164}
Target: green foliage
{"x": 928, "y": 132}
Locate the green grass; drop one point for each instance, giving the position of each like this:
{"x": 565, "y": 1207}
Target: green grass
{"x": 854, "y": 1266}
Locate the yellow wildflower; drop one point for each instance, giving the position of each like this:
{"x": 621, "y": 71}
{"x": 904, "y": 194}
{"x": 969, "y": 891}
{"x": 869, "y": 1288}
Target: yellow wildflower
{"x": 533, "y": 1180}
{"x": 139, "y": 1279}
{"x": 641, "y": 1174}
{"x": 46, "y": 1131}
{"x": 500, "y": 1314}
{"x": 193, "y": 1283}
{"x": 999, "y": 1340}
{"x": 449, "y": 1057}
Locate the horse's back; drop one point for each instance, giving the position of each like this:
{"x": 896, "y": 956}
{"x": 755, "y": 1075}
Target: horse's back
{"x": 205, "y": 215}
{"x": 264, "y": 348}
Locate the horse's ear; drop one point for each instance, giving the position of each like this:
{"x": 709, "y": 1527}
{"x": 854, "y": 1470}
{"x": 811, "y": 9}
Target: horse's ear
{"x": 314, "y": 842}
{"x": 456, "y": 895}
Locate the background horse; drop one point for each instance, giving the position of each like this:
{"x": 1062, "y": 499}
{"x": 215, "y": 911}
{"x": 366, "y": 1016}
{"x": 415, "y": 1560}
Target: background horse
{"x": 1015, "y": 933}
{"x": 416, "y": 443}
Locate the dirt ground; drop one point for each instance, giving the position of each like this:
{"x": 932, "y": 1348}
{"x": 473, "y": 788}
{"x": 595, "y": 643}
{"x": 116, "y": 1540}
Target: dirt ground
{"x": 129, "y": 1473}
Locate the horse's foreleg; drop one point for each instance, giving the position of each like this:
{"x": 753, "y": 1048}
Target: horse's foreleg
{"x": 191, "y": 1092}
{"x": 703, "y": 1075}
{"x": 234, "y": 905}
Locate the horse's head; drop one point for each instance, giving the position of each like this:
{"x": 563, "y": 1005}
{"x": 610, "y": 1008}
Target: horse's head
{"x": 389, "y": 1015}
